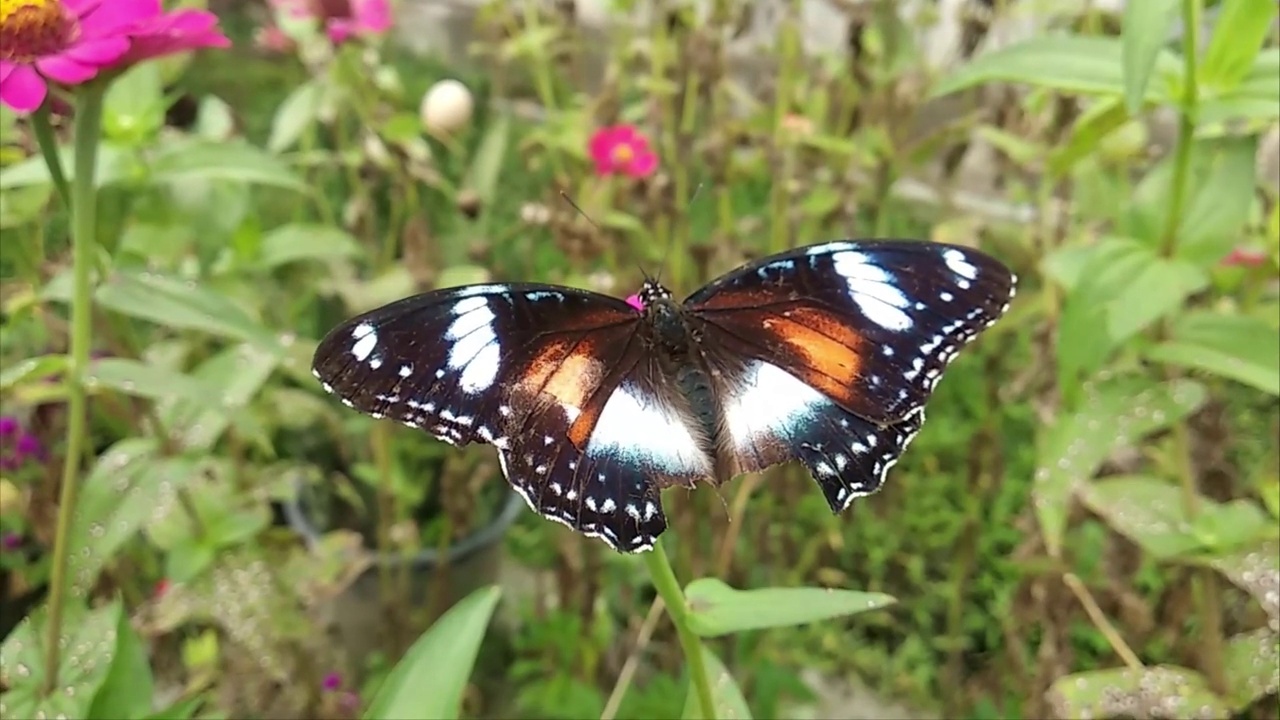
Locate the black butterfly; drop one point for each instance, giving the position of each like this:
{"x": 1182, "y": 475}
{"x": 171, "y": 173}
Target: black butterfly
{"x": 826, "y": 354}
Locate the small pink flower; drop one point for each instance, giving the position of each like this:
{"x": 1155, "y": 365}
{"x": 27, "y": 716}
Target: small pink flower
{"x": 273, "y": 40}
{"x": 162, "y": 587}
{"x": 331, "y": 682}
{"x": 622, "y": 149}
{"x": 11, "y": 541}
{"x": 9, "y": 425}
{"x": 1244, "y": 257}
{"x": 69, "y": 42}
{"x": 342, "y": 19}
{"x": 635, "y": 302}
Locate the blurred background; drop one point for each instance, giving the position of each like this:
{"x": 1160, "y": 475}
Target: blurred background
{"x": 1085, "y": 527}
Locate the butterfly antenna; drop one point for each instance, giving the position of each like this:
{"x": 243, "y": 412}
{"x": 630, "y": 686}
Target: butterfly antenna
{"x": 671, "y": 239}
{"x": 581, "y": 212}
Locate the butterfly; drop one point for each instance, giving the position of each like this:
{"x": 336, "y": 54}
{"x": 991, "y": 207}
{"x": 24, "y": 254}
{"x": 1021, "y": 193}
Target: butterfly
{"x": 824, "y": 354}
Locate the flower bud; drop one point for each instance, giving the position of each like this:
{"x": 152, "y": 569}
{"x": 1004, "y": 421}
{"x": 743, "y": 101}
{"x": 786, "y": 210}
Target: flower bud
{"x": 446, "y": 108}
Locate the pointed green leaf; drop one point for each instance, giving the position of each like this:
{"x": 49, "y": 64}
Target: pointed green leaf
{"x": 1256, "y": 570}
{"x": 1069, "y": 63}
{"x": 1224, "y": 194}
{"x": 296, "y": 114}
{"x": 727, "y": 697}
{"x": 234, "y": 161}
{"x": 718, "y": 609}
{"x": 1251, "y": 666}
{"x": 429, "y": 680}
{"x": 144, "y": 380}
{"x": 134, "y": 107}
{"x": 34, "y": 369}
{"x": 303, "y": 241}
{"x": 482, "y": 176}
{"x": 1237, "y": 347}
{"x": 181, "y": 305}
{"x": 1241, "y": 29}
{"x": 1114, "y": 413}
{"x": 1164, "y": 691}
{"x": 239, "y": 373}
{"x": 88, "y": 647}
{"x": 129, "y": 686}
{"x": 116, "y": 163}
{"x": 1145, "y": 32}
{"x": 128, "y": 489}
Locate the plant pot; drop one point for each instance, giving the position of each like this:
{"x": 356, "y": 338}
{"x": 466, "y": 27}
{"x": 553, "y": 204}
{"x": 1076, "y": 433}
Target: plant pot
{"x": 357, "y": 613}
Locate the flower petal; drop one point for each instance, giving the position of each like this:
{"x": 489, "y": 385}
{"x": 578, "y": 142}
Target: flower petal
{"x": 100, "y": 52}
{"x": 23, "y": 90}
{"x": 642, "y": 165}
{"x": 64, "y": 70}
{"x": 6, "y": 67}
{"x": 117, "y": 17}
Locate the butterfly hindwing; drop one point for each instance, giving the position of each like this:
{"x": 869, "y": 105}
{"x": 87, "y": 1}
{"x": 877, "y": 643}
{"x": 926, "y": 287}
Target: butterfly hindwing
{"x": 872, "y": 325}
{"x": 554, "y": 378}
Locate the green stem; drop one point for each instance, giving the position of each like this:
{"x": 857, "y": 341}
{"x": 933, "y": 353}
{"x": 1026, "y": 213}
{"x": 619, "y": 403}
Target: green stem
{"x": 664, "y": 581}
{"x": 48, "y": 143}
{"x": 83, "y": 229}
{"x": 1187, "y": 113}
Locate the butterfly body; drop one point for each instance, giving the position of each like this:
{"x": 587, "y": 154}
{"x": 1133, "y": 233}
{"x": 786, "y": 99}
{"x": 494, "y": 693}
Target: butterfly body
{"x": 824, "y": 354}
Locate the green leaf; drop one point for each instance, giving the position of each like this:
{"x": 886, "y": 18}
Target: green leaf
{"x": 181, "y": 710}
{"x": 1236, "y": 347}
{"x": 33, "y": 369}
{"x": 239, "y": 373}
{"x": 1163, "y": 691}
{"x": 188, "y": 559}
{"x": 88, "y": 641}
{"x": 127, "y": 488}
{"x": 1115, "y": 412}
{"x": 486, "y": 168}
{"x": 129, "y": 686}
{"x": 429, "y": 680}
{"x": 295, "y": 115}
{"x": 181, "y": 305}
{"x": 134, "y": 107}
{"x": 730, "y": 704}
{"x": 115, "y": 164}
{"x": 1146, "y": 29}
{"x": 1256, "y": 570}
{"x": 1219, "y": 208}
{"x": 1152, "y": 513}
{"x": 1100, "y": 120}
{"x": 306, "y": 241}
{"x": 717, "y": 609}
{"x": 235, "y": 161}
{"x": 1067, "y": 63}
{"x": 1241, "y": 29}
{"x": 144, "y": 380}
{"x": 1251, "y": 666}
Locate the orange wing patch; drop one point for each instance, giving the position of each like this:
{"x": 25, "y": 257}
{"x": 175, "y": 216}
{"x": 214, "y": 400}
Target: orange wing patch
{"x": 831, "y": 350}
{"x": 567, "y": 377}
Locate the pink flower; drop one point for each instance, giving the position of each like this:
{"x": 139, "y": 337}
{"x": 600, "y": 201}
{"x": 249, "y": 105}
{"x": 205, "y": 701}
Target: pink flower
{"x": 1244, "y": 257}
{"x": 622, "y": 149}
{"x": 635, "y": 302}
{"x": 273, "y": 40}
{"x": 68, "y": 42}
{"x": 331, "y": 681}
{"x": 342, "y": 19}
{"x": 162, "y": 587}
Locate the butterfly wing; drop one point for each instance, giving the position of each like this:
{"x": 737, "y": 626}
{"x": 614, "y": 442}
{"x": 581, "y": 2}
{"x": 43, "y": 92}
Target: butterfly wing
{"x": 555, "y": 378}
{"x": 829, "y": 353}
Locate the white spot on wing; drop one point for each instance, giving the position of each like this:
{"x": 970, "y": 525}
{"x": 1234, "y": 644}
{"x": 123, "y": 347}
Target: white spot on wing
{"x": 475, "y": 345}
{"x": 635, "y": 427}
{"x": 959, "y": 264}
{"x": 874, "y": 289}
{"x": 366, "y": 340}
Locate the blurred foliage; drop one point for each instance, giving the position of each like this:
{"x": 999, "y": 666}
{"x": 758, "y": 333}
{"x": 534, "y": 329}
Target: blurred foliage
{"x": 1085, "y": 525}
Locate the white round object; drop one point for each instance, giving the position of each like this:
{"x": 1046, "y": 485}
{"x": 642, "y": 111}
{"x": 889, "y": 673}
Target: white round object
{"x": 446, "y": 108}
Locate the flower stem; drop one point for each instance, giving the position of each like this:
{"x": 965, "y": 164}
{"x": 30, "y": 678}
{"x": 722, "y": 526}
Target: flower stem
{"x": 664, "y": 581}
{"x": 88, "y": 122}
{"x": 1188, "y": 111}
{"x": 48, "y": 143}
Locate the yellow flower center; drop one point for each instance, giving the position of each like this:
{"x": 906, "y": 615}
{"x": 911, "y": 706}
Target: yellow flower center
{"x": 30, "y": 29}
{"x": 623, "y": 154}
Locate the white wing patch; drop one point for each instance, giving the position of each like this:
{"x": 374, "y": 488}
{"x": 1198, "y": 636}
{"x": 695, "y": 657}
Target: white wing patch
{"x": 874, "y": 290}
{"x": 475, "y": 348}
{"x": 770, "y": 401}
{"x": 647, "y": 434}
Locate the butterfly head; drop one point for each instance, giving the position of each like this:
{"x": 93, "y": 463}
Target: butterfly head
{"x": 652, "y": 294}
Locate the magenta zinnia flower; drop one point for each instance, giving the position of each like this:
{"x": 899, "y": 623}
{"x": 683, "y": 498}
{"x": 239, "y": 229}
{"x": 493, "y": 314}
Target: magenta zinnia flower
{"x": 622, "y": 149}
{"x": 68, "y": 42}
{"x": 342, "y": 19}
